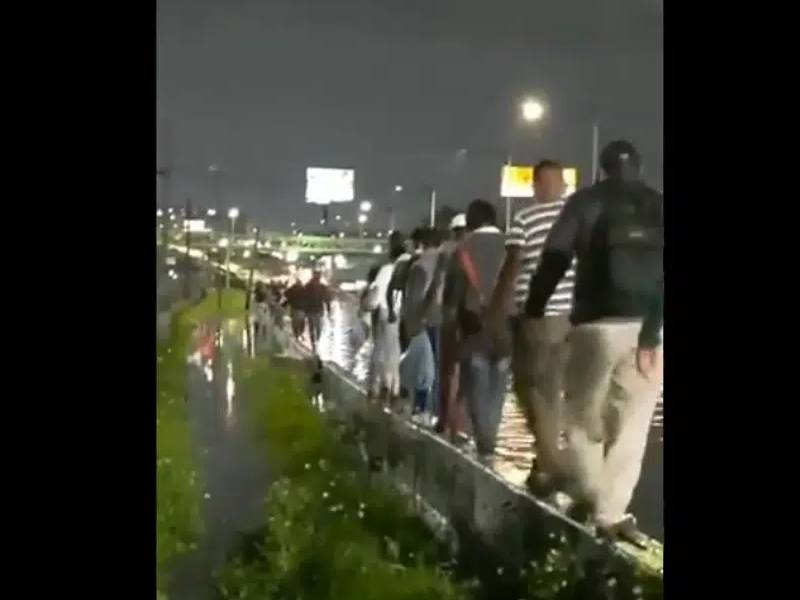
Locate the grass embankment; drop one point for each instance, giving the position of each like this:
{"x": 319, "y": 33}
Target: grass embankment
{"x": 328, "y": 534}
{"x": 178, "y": 487}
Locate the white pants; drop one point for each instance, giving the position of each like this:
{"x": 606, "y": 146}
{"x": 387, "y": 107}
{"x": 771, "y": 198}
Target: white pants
{"x": 608, "y": 409}
{"x": 385, "y": 360}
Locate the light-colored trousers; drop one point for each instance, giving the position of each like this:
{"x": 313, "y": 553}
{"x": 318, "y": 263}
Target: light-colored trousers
{"x": 540, "y": 360}
{"x": 608, "y": 409}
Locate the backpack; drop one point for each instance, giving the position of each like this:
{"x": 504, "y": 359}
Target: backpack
{"x": 635, "y": 242}
{"x": 493, "y": 317}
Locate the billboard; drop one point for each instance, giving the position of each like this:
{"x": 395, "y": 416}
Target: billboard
{"x": 324, "y": 186}
{"x": 195, "y": 225}
{"x": 516, "y": 182}
{"x": 571, "y": 179}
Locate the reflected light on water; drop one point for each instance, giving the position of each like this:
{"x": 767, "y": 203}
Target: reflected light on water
{"x": 230, "y": 390}
{"x": 344, "y": 343}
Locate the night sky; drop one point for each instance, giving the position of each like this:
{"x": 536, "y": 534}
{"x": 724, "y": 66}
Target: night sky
{"x": 394, "y": 89}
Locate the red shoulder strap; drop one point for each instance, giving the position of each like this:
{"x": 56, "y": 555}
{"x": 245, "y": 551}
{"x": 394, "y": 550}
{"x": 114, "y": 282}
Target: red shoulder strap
{"x": 465, "y": 259}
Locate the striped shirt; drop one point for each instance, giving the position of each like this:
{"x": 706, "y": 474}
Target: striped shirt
{"x": 530, "y": 227}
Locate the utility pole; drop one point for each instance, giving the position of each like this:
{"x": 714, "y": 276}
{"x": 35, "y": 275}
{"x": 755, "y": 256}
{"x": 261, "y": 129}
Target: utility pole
{"x": 214, "y": 171}
{"x": 508, "y": 201}
{"x": 253, "y": 260}
{"x": 165, "y": 173}
{"x": 433, "y": 207}
{"x": 187, "y": 275}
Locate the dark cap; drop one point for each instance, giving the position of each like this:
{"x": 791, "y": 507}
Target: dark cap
{"x": 620, "y": 157}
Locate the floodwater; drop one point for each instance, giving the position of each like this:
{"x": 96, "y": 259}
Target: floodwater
{"x": 343, "y": 342}
{"x": 234, "y": 467}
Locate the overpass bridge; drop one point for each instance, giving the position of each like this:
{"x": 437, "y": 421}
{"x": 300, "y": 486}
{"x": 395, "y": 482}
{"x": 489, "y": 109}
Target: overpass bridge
{"x": 284, "y": 246}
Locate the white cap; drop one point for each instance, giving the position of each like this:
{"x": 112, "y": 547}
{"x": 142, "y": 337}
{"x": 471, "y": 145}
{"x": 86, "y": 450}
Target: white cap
{"x": 460, "y": 220}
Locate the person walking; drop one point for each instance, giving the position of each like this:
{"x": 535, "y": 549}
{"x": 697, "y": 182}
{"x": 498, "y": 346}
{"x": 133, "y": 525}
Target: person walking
{"x": 317, "y": 301}
{"x": 384, "y": 368}
{"x": 397, "y": 285}
{"x": 451, "y": 416}
{"x": 294, "y": 299}
{"x": 613, "y": 376}
{"x": 262, "y": 315}
{"x": 539, "y": 354}
{"x": 469, "y": 295}
{"x": 422, "y": 318}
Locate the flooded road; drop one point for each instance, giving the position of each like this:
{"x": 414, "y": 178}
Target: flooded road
{"x": 343, "y": 342}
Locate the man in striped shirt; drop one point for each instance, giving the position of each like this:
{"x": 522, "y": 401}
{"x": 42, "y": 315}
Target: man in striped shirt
{"x": 540, "y": 346}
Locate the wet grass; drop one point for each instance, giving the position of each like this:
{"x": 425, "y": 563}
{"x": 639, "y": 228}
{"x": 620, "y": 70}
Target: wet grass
{"x": 178, "y": 485}
{"x": 329, "y": 534}
{"x": 333, "y": 533}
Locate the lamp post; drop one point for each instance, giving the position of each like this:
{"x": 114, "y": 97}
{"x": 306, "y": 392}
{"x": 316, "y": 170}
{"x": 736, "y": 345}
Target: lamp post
{"x": 233, "y": 213}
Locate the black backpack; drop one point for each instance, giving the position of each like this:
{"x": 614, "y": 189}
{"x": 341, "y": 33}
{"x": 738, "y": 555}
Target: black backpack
{"x": 635, "y": 240}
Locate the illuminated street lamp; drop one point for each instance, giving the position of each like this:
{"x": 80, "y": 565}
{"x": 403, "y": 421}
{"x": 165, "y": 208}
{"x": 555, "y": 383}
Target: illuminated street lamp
{"x": 532, "y": 110}
{"x": 211, "y": 212}
{"x": 159, "y": 213}
{"x": 365, "y": 206}
{"x": 398, "y": 188}
{"x": 362, "y": 218}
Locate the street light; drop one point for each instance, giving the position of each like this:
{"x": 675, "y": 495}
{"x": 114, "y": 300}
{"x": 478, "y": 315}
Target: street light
{"x": 362, "y": 218}
{"x": 211, "y": 212}
{"x": 398, "y": 188}
{"x": 532, "y": 110}
{"x": 159, "y": 213}
{"x": 233, "y": 212}
{"x": 365, "y": 206}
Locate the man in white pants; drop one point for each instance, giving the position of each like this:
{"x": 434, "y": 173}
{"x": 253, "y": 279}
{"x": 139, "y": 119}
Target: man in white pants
{"x": 613, "y": 374}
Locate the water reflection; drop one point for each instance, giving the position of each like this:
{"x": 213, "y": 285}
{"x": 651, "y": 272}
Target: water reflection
{"x": 230, "y": 390}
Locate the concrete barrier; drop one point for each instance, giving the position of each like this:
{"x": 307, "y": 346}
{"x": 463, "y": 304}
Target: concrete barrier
{"x": 504, "y": 526}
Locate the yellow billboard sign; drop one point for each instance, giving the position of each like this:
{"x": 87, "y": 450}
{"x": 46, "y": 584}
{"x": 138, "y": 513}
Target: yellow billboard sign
{"x": 516, "y": 182}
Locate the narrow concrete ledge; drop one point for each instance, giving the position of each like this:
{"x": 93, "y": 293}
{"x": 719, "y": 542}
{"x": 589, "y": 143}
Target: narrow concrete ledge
{"x": 509, "y": 524}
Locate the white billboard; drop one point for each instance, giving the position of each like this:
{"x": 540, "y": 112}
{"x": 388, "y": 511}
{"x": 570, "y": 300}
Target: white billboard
{"x": 324, "y": 186}
{"x": 195, "y": 225}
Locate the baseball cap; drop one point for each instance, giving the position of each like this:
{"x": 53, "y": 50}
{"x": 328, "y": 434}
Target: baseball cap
{"x": 459, "y": 221}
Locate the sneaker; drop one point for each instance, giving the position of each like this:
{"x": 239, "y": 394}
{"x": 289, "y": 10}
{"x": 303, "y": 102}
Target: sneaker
{"x": 625, "y": 530}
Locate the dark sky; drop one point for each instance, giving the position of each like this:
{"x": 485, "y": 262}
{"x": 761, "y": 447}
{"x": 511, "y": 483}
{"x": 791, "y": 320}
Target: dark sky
{"x": 394, "y": 88}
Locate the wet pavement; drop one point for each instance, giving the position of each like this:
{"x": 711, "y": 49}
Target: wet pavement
{"x": 234, "y": 470}
{"x": 343, "y": 342}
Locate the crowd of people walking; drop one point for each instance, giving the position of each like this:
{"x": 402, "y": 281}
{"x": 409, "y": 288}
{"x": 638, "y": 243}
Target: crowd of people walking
{"x": 566, "y": 306}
